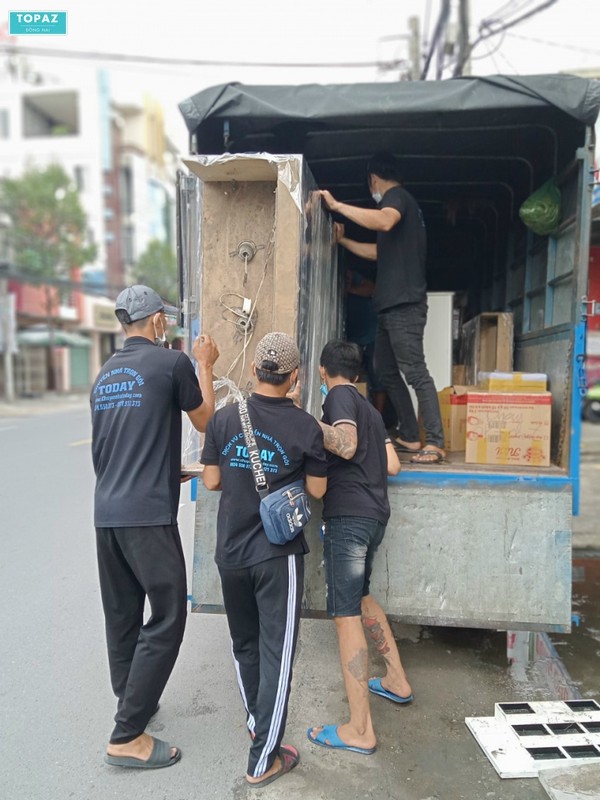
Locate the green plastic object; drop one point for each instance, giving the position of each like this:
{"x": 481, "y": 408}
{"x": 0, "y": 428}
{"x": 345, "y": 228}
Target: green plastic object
{"x": 542, "y": 210}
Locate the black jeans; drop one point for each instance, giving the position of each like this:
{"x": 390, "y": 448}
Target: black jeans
{"x": 135, "y": 563}
{"x": 398, "y": 352}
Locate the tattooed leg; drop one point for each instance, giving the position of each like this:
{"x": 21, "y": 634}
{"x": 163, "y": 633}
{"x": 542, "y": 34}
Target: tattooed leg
{"x": 380, "y": 633}
{"x": 354, "y": 657}
{"x": 377, "y": 635}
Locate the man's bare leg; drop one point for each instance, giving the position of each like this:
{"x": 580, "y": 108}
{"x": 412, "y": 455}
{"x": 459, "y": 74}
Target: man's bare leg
{"x": 354, "y": 657}
{"x": 378, "y": 628}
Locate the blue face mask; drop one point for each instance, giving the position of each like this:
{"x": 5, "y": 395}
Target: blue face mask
{"x": 324, "y": 389}
{"x": 377, "y": 197}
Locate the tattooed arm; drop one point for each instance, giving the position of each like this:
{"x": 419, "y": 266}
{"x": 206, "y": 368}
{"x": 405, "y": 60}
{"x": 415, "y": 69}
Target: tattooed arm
{"x": 341, "y": 440}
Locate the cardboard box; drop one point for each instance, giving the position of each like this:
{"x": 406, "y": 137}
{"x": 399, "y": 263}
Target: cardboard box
{"x": 526, "y": 382}
{"x": 487, "y": 344}
{"x": 453, "y": 408}
{"x": 510, "y": 429}
{"x": 459, "y": 375}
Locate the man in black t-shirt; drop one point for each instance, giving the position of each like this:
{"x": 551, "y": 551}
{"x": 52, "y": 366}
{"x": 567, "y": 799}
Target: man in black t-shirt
{"x": 400, "y": 300}
{"x": 136, "y": 404}
{"x": 355, "y": 512}
{"x": 262, "y": 582}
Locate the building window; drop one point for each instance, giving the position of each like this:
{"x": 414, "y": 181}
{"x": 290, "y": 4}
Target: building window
{"x": 4, "y": 124}
{"x": 50, "y": 114}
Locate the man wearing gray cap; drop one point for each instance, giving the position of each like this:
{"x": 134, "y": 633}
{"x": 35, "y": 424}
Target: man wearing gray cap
{"x": 262, "y": 582}
{"x": 136, "y": 403}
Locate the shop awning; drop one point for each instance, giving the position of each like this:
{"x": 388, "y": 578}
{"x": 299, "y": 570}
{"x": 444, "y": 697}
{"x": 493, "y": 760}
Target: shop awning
{"x": 39, "y": 336}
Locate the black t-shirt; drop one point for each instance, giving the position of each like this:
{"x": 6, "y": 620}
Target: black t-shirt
{"x": 401, "y": 254}
{"x": 136, "y": 401}
{"x": 356, "y": 487}
{"x": 291, "y": 445}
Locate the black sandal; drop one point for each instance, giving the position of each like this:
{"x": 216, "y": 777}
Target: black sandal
{"x": 427, "y": 456}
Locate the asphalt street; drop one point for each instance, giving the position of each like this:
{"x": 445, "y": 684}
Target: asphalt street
{"x": 57, "y": 706}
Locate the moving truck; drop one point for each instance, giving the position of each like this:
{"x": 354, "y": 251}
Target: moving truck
{"x": 468, "y": 544}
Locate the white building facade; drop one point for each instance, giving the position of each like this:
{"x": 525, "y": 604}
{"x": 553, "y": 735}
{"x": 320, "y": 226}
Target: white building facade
{"x": 119, "y": 159}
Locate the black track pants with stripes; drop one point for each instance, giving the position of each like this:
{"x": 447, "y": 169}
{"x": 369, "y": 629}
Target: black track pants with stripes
{"x": 263, "y": 611}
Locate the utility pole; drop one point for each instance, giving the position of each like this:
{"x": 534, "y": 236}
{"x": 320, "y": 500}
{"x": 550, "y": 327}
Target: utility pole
{"x": 463, "y": 58}
{"x": 7, "y": 335}
{"x": 6, "y": 315}
{"x": 414, "y": 48}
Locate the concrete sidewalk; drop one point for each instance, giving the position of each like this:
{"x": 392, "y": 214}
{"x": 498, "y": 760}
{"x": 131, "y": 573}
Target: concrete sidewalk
{"x": 425, "y": 750}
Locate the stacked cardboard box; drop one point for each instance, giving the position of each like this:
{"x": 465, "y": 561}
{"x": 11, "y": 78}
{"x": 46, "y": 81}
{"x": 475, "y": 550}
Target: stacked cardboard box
{"x": 511, "y": 429}
{"x": 527, "y": 382}
{"x": 487, "y": 344}
{"x": 453, "y": 408}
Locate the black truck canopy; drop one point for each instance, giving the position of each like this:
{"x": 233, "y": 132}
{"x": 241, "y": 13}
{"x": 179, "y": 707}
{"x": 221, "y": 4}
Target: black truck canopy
{"x": 467, "y": 132}
{"x": 525, "y": 117}
{"x": 471, "y": 149}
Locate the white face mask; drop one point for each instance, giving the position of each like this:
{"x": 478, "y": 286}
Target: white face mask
{"x": 376, "y": 196}
{"x": 160, "y": 341}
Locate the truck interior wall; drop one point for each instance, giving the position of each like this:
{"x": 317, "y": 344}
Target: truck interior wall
{"x": 499, "y": 264}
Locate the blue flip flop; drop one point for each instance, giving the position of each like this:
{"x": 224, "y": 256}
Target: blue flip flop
{"x": 328, "y": 737}
{"x": 376, "y": 687}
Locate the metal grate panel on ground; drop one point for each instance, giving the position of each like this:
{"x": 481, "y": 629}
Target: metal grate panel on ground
{"x": 523, "y": 738}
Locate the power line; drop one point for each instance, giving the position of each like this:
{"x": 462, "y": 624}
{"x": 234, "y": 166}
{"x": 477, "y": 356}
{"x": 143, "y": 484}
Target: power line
{"x": 91, "y": 55}
{"x": 487, "y": 30}
{"x": 438, "y": 33}
{"x": 486, "y": 24}
{"x": 547, "y": 43}
{"x": 490, "y": 53}
{"x": 509, "y": 9}
{"x": 511, "y": 66}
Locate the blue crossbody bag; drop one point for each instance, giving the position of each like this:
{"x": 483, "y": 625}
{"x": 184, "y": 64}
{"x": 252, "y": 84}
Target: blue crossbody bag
{"x": 284, "y": 512}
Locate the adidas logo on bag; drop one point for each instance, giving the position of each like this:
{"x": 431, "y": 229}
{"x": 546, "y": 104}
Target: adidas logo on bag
{"x": 295, "y": 519}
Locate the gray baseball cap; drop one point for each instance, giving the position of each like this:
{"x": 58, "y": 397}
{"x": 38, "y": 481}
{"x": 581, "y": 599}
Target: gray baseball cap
{"x": 141, "y": 301}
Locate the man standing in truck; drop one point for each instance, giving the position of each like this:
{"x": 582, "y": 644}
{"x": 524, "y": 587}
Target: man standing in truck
{"x": 400, "y": 300}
